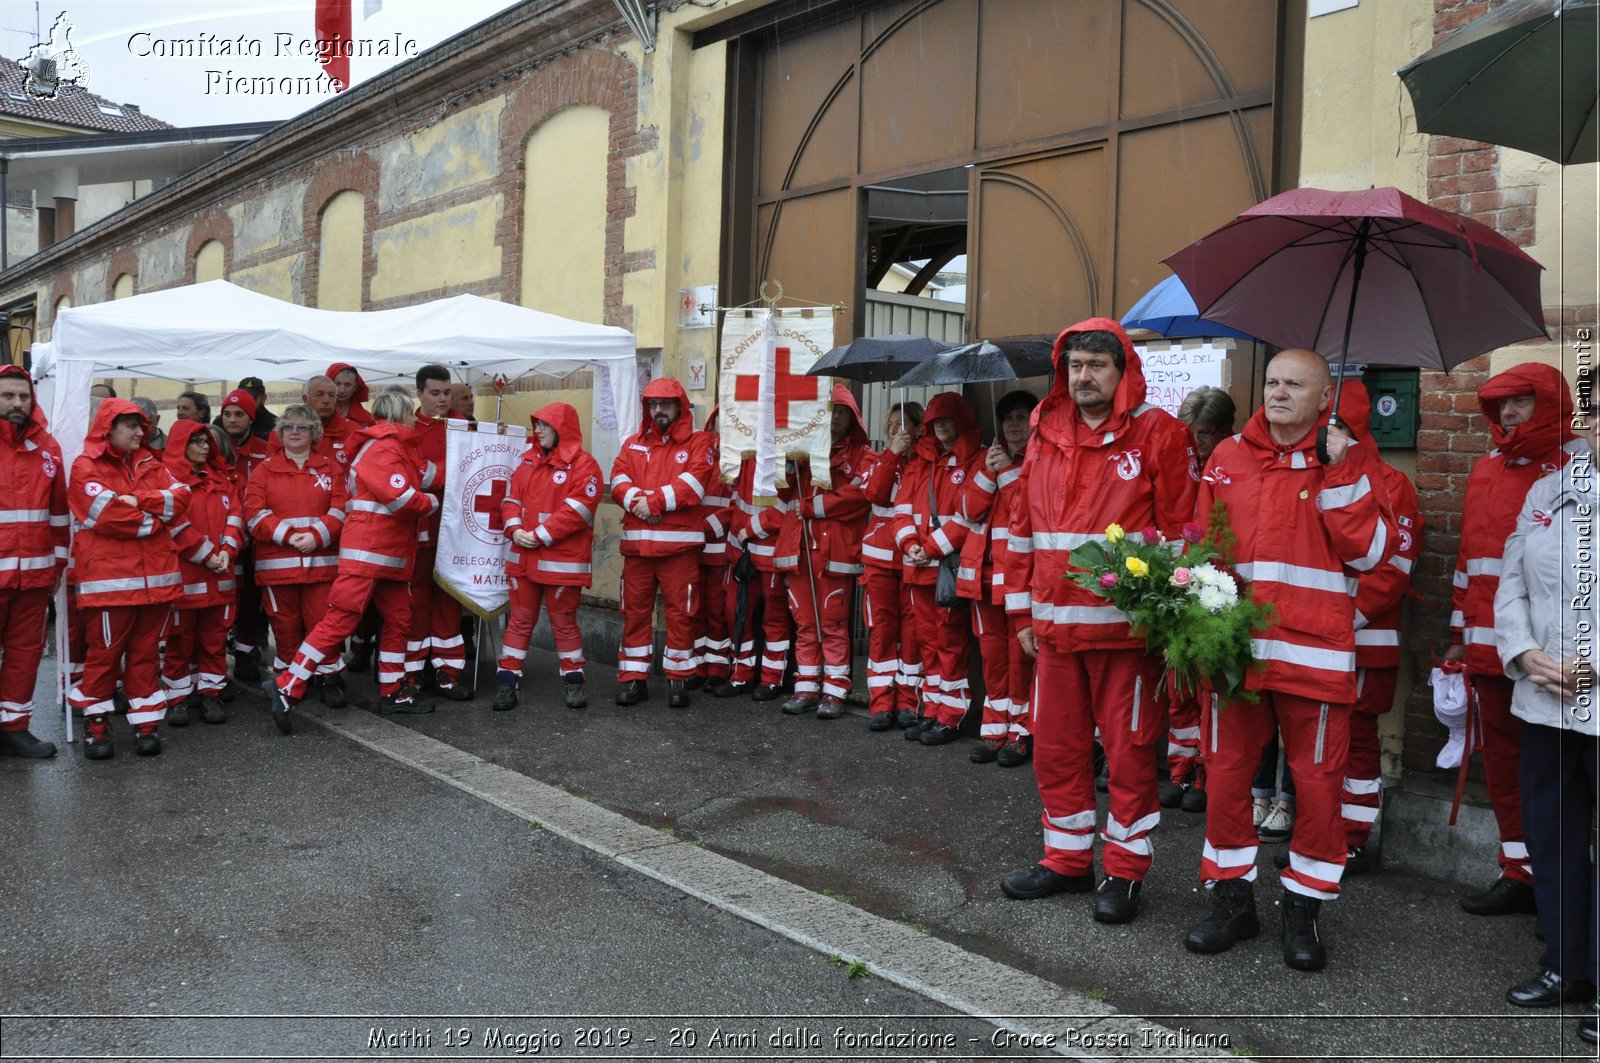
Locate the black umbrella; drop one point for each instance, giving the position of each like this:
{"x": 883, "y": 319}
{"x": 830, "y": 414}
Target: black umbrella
{"x": 1524, "y": 76}
{"x": 876, "y": 359}
{"x": 984, "y": 360}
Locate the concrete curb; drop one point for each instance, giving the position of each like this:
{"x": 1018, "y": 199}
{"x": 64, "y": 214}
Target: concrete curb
{"x": 1049, "y": 1018}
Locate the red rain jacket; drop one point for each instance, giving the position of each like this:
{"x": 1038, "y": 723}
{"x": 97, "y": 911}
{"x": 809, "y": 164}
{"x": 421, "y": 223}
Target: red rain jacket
{"x": 1136, "y": 469}
{"x": 988, "y": 506}
{"x": 34, "y": 523}
{"x": 554, "y": 496}
{"x": 211, "y": 523}
{"x": 1496, "y": 489}
{"x": 387, "y": 500}
{"x": 948, "y": 471}
{"x": 880, "y": 484}
{"x": 357, "y": 414}
{"x": 836, "y": 517}
{"x": 717, "y": 505}
{"x": 284, "y": 498}
{"x": 669, "y": 473}
{"x": 121, "y": 553}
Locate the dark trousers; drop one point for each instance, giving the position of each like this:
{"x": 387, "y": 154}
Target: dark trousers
{"x": 1560, "y": 784}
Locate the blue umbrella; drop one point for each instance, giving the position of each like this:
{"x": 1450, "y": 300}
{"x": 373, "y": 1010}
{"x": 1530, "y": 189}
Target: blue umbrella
{"x": 1169, "y": 310}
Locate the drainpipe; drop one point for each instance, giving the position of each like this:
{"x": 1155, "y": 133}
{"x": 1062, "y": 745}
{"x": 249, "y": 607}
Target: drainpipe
{"x": 5, "y": 214}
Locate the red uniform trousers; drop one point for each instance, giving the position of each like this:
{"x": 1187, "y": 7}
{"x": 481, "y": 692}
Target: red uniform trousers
{"x": 1073, "y": 693}
{"x": 22, "y": 620}
{"x": 527, "y": 598}
{"x": 1316, "y": 735}
{"x": 712, "y": 644}
{"x": 435, "y": 632}
{"x": 821, "y": 647}
{"x": 294, "y": 609}
{"x": 894, "y": 664}
{"x": 196, "y": 660}
{"x": 944, "y": 632}
{"x": 677, "y": 576}
{"x": 1501, "y": 736}
{"x": 1183, "y": 736}
{"x": 347, "y": 598}
{"x": 777, "y": 626}
{"x": 1007, "y": 672}
{"x": 1363, "y": 765}
{"x": 741, "y": 643}
{"x": 123, "y": 640}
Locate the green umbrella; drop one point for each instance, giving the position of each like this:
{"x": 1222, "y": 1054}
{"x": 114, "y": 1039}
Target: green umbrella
{"x": 1523, "y": 76}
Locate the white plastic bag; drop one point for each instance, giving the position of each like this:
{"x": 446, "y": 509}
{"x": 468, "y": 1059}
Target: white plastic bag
{"x": 1450, "y": 708}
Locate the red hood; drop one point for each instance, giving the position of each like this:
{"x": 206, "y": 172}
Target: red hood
{"x": 564, "y": 419}
{"x": 94, "y": 444}
{"x": 1355, "y": 408}
{"x": 842, "y": 396}
{"x": 1551, "y": 425}
{"x": 360, "y": 394}
{"x": 178, "y": 437}
{"x": 945, "y": 404}
{"x": 1130, "y": 389}
{"x": 666, "y": 388}
{"x": 380, "y": 430}
{"x": 36, "y": 420}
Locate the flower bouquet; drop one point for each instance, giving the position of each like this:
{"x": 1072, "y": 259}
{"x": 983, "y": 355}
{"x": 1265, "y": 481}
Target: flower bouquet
{"x": 1189, "y": 607}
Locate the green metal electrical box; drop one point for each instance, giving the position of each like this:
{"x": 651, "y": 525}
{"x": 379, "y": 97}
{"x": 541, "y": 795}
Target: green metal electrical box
{"x": 1394, "y": 394}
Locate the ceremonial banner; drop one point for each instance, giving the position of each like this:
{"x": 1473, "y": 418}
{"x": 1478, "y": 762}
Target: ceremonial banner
{"x": 769, "y": 409}
{"x": 471, "y": 565}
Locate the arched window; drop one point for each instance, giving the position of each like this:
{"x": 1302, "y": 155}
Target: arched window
{"x": 564, "y": 214}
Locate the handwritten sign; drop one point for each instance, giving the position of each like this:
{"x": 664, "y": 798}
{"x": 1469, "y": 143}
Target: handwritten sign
{"x": 1174, "y": 368}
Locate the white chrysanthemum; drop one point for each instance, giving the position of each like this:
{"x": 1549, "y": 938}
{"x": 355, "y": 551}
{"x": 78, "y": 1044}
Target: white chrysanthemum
{"x": 1208, "y": 575}
{"x": 1213, "y": 598}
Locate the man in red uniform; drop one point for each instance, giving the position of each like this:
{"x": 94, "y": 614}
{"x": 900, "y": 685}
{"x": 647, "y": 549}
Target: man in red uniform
{"x": 321, "y": 396}
{"x": 1100, "y": 455}
{"x": 377, "y": 549}
{"x": 349, "y": 392}
{"x": 249, "y": 450}
{"x": 33, "y": 554}
{"x": 659, "y": 479}
{"x": 1529, "y": 410}
{"x": 894, "y": 663}
{"x": 435, "y": 635}
{"x": 820, "y": 549}
{"x": 125, "y": 568}
{"x": 1306, "y": 532}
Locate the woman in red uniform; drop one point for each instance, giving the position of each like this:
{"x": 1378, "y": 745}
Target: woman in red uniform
{"x": 549, "y": 518}
{"x": 294, "y": 510}
{"x": 208, "y": 538}
{"x": 894, "y": 665}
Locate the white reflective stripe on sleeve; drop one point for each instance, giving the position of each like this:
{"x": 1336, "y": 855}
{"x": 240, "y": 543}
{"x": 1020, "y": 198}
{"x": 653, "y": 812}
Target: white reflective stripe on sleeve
{"x": 146, "y": 527}
{"x": 877, "y": 553}
{"x": 816, "y": 508}
{"x": 582, "y": 510}
{"x": 1018, "y": 601}
{"x": 257, "y": 519}
{"x": 1482, "y": 566}
{"x": 693, "y": 485}
{"x": 1061, "y": 540}
{"x": 1336, "y": 497}
{"x": 61, "y": 520}
{"x": 984, "y": 483}
{"x": 1009, "y": 477}
{"x": 669, "y": 499}
{"x": 544, "y": 535}
{"x": 1377, "y": 637}
{"x": 97, "y": 507}
{"x": 1375, "y": 552}
{"x": 1479, "y": 636}
{"x": 1402, "y": 563}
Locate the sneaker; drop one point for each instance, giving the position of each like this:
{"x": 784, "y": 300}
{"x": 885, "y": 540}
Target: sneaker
{"x": 576, "y": 698}
{"x": 830, "y": 707}
{"x": 211, "y": 710}
{"x": 404, "y": 702}
{"x": 1017, "y": 751}
{"x": 1259, "y": 807}
{"x": 332, "y": 692}
{"x": 23, "y": 744}
{"x": 97, "y": 739}
{"x": 1279, "y": 824}
{"x": 505, "y": 699}
{"x": 147, "y": 743}
{"x": 801, "y": 704}
{"x": 1232, "y": 919}
{"x": 178, "y": 715}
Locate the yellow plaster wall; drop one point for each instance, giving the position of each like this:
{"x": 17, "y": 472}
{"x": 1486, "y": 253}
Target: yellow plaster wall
{"x": 450, "y": 247}
{"x": 564, "y": 215}
{"x": 279, "y": 278}
{"x": 340, "y": 253}
{"x": 123, "y": 287}
{"x": 454, "y": 153}
{"x": 208, "y": 262}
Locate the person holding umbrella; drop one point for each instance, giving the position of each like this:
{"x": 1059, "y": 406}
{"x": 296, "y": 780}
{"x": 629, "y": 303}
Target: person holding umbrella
{"x": 1529, "y": 410}
{"x": 1100, "y": 456}
{"x": 1302, "y": 525}
{"x": 894, "y": 667}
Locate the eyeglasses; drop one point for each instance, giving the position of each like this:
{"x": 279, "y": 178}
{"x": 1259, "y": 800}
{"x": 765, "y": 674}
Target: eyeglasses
{"x": 294, "y": 428}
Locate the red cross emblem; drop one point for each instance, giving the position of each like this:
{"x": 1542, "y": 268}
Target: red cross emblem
{"x": 487, "y": 501}
{"x": 787, "y": 387}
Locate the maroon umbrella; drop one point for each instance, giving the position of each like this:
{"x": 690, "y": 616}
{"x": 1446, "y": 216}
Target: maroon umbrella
{"x": 1370, "y": 276}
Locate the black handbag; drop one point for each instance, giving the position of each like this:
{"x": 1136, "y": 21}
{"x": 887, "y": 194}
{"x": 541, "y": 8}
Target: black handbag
{"x": 944, "y": 587}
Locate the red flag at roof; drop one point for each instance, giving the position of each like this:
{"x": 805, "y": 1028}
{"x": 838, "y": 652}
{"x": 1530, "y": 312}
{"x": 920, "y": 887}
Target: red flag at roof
{"x": 333, "y": 36}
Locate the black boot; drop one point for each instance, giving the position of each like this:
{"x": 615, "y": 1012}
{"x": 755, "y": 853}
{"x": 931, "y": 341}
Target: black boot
{"x": 1506, "y": 897}
{"x": 576, "y": 698}
{"x": 146, "y": 743}
{"x": 246, "y": 669}
{"x": 1302, "y": 944}
{"x": 632, "y": 692}
{"x": 1118, "y": 900}
{"x": 23, "y": 744}
{"x": 211, "y": 710}
{"x": 332, "y": 692}
{"x": 1232, "y": 918}
{"x": 360, "y": 659}
{"x": 677, "y": 696}
{"x": 97, "y": 739}
{"x": 177, "y": 715}
{"x": 505, "y": 698}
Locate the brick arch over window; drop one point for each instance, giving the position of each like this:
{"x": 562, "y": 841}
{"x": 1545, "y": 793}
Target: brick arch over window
{"x": 600, "y": 79}
{"x": 346, "y": 171}
{"x": 124, "y": 263}
{"x": 214, "y": 224}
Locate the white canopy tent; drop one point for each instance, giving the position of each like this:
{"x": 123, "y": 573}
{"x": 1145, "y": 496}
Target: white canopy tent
{"x": 219, "y": 331}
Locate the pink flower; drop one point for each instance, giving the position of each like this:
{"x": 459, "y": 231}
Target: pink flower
{"x": 1182, "y": 577}
{"x": 1108, "y": 580}
{"x": 1152, "y": 534}
{"x": 1193, "y": 533}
